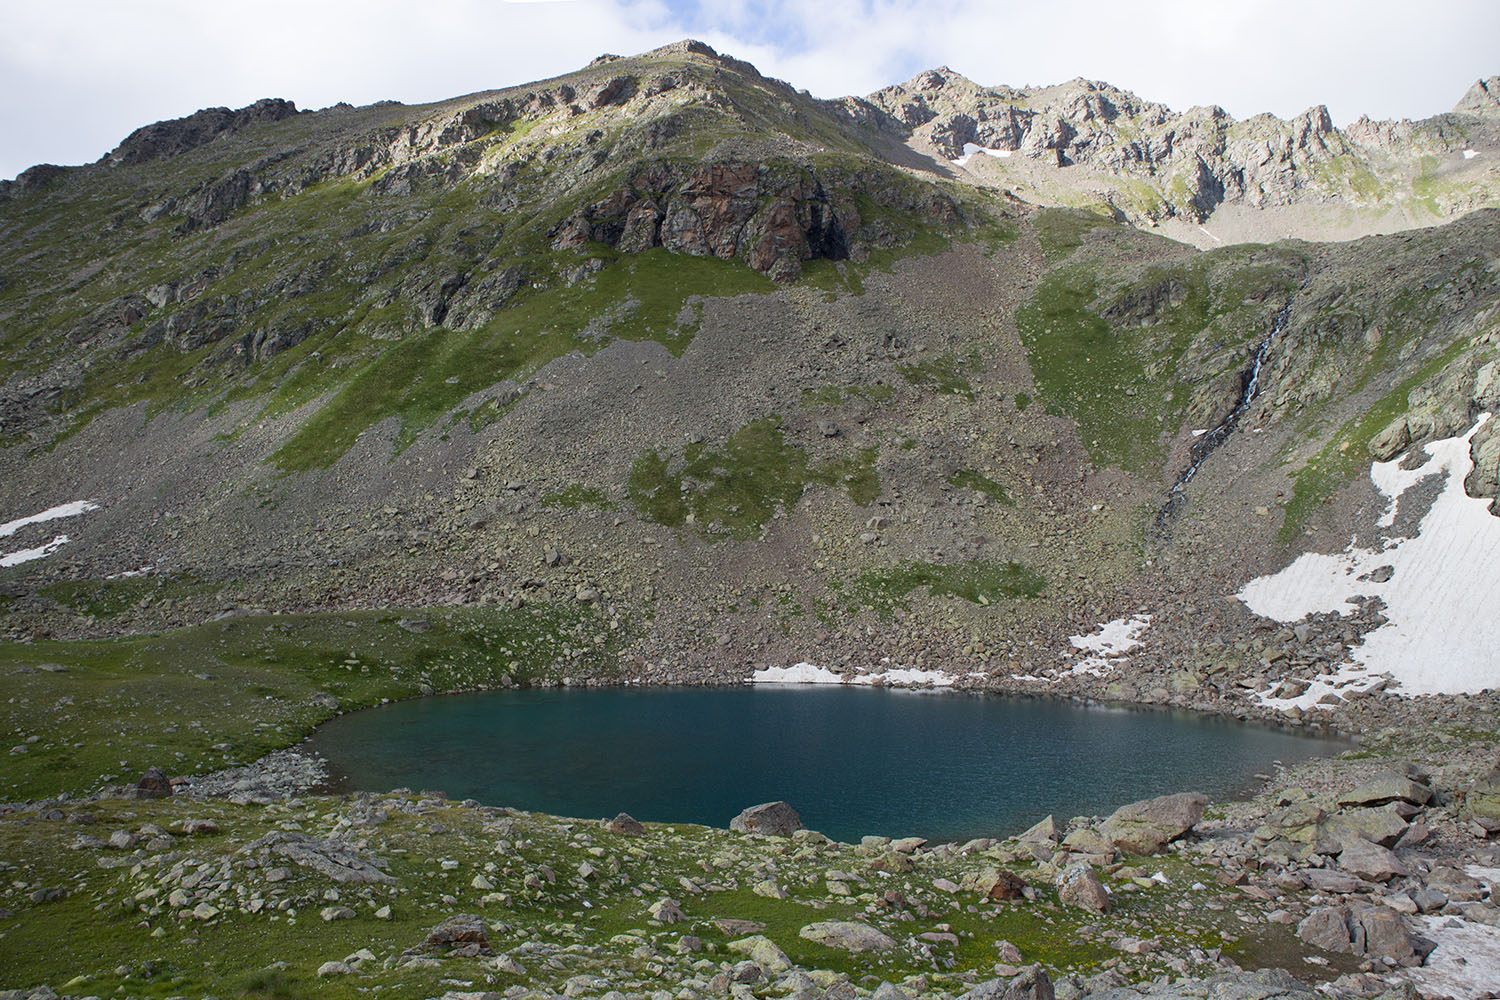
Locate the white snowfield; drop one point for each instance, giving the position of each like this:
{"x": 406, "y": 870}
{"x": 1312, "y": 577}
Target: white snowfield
{"x": 807, "y": 673}
{"x": 972, "y": 150}
{"x": 50, "y": 514}
{"x": 20, "y": 556}
{"x": 1107, "y": 644}
{"x": 1441, "y": 594}
{"x": 1466, "y": 961}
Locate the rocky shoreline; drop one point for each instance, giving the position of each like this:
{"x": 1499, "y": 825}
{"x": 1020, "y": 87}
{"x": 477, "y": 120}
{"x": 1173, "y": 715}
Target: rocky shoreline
{"x": 1376, "y": 873}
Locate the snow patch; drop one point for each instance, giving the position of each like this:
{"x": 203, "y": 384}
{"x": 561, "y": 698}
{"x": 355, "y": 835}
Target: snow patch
{"x": 1466, "y": 961}
{"x": 1108, "y": 643}
{"x": 972, "y": 150}
{"x": 1442, "y": 600}
{"x": 808, "y": 673}
{"x": 27, "y": 555}
{"x": 1469, "y": 154}
{"x": 9, "y": 528}
{"x": 50, "y": 514}
{"x": 802, "y": 673}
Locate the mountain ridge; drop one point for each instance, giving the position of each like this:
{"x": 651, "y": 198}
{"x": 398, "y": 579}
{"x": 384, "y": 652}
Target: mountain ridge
{"x": 664, "y": 373}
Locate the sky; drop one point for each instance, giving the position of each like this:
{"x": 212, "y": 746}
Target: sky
{"x": 77, "y": 76}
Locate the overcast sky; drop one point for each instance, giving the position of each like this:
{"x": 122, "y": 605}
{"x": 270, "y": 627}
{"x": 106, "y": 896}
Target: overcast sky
{"x": 76, "y": 76}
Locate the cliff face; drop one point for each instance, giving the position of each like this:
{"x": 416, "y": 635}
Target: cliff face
{"x": 1165, "y": 164}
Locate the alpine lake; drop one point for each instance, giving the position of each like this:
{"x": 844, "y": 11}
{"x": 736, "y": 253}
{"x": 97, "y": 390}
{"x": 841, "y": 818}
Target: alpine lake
{"x": 852, "y": 761}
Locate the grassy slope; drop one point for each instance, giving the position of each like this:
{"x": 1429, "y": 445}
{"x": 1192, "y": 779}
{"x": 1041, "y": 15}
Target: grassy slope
{"x": 117, "y": 930}
{"x": 197, "y": 699}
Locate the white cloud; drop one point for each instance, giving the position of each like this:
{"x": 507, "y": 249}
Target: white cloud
{"x": 75, "y": 78}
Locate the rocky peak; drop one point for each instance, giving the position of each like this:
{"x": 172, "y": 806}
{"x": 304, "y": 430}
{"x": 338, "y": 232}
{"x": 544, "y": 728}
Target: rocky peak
{"x": 176, "y": 136}
{"x": 693, "y": 47}
{"x": 1481, "y": 99}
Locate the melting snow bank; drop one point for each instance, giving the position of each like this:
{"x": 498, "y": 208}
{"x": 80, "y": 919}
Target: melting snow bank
{"x": 807, "y": 673}
{"x": 1442, "y": 598}
{"x": 971, "y": 150}
{"x": 50, "y": 514}
{"x": 1466, "y": 961}
{"x": 27, "y": 555}
{"x": 1106, "y": 644}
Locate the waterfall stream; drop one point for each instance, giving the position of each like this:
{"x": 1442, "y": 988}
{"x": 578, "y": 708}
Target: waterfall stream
{"x": 1209, "y": 442}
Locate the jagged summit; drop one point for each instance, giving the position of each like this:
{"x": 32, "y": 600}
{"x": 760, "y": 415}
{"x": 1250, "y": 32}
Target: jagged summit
{"x": 1154, "y": 166}
{"x": 1483, "y": 98}
{"x": 177, "y": 136}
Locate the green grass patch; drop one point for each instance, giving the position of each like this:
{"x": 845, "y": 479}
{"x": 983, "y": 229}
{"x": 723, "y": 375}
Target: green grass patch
{"x": 838, "y": 395}
{"x": 977, "y": 581}
{"x": 120, "y": 706}
{"x": 738, "y": 488}
{"x": 1347, "y": 453}
{"x": 943, "y": 374}
{"x": 974, "y": 480}
{"x": 1119, "y": 382}
{"x": 1060, "y": 231}
{"x": 425, "y": 375}
{"x": 108, "y": 598}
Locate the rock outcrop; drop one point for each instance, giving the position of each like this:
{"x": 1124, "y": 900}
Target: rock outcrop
{"x": 1148, "y": 826}
{"x": 771, "y": 819}
{"x": 166, "y": 139}
{"x": 1193, "y": 161}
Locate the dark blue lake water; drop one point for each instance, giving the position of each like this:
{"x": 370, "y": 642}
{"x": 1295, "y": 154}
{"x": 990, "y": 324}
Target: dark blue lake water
{"x": 852, "y": 762}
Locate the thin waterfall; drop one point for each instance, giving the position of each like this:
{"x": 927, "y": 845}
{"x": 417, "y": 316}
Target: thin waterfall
{"x": 1205, "y": 445}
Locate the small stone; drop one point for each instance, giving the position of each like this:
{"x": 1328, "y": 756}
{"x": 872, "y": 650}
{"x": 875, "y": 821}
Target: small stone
{"x": 328, "y": 969}
{"x": 666, "y": 911}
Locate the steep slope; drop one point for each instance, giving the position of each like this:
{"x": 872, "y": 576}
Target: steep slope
{"x": 733, "y": 376}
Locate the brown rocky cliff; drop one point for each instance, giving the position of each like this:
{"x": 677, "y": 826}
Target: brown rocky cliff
{"x": 772, "y": 217}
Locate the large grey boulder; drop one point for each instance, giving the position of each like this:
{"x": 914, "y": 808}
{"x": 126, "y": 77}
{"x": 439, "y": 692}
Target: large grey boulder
{"x": 1381, "y": 825}
{"x": 1327, "y": 928}
{"x": 1482, "y": 801}
{"x": 625, "y": 825}
{"x": 763, "y": 952}
{"x": 1044, "y": 832}
{"x": 1148, "y": 826}
{"x": 1079, "y": 885}
{"x": 1032, "y": 984}
{"x": 463, "y": 935}
{"x": 847, "y": 935}
{"x": 1262, "y": 984}
{"x": 153, "y": 785}
{"x": 1389, "y": 786}
{"x": 1371, "y": 861}
{"x": 775, "y": 819}
{"x": 1376, "y": 932}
